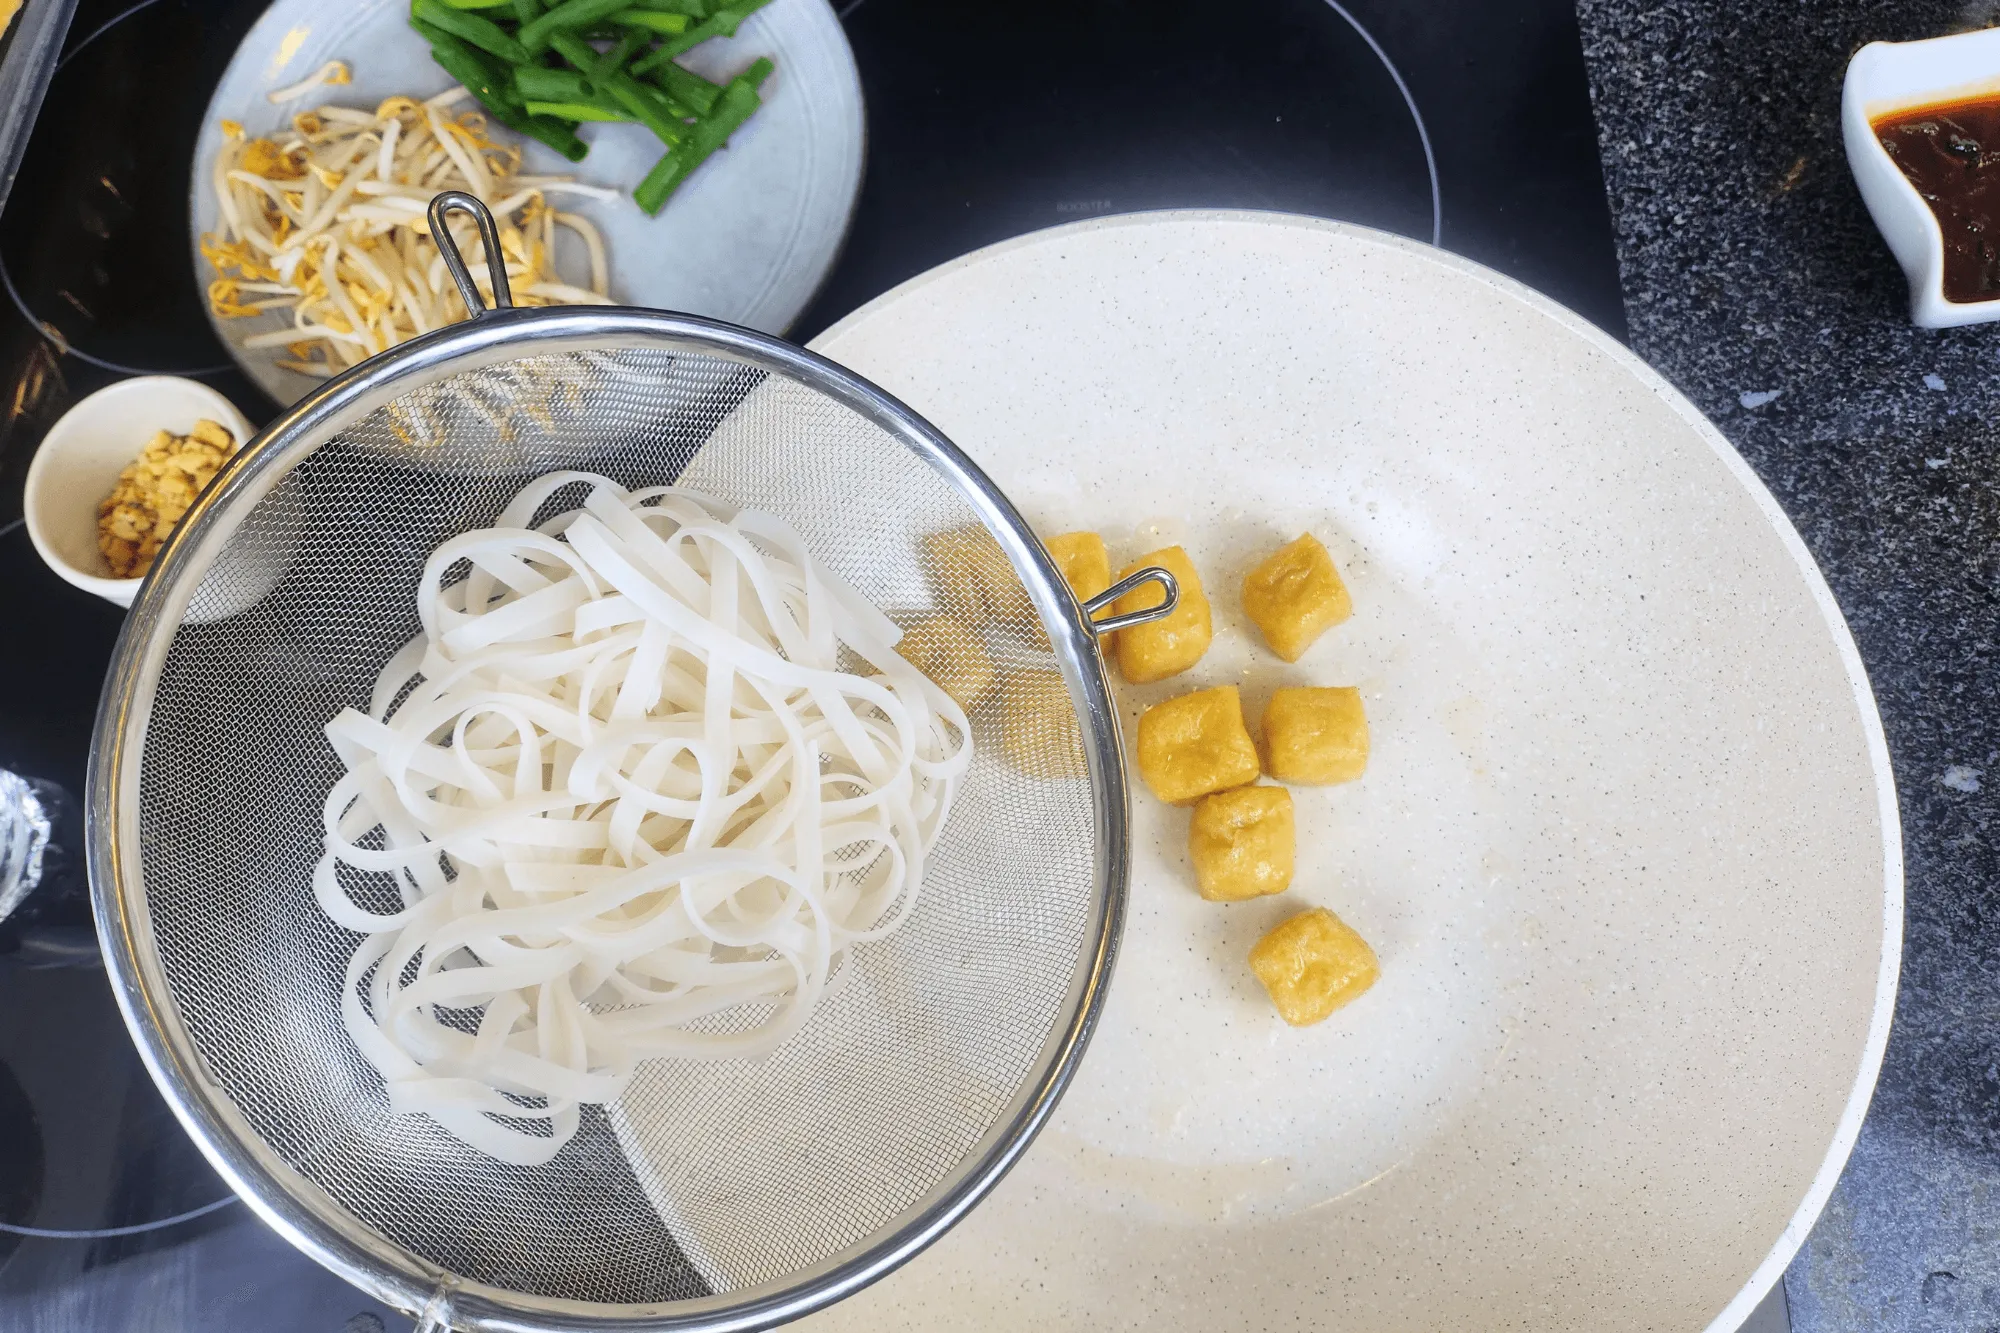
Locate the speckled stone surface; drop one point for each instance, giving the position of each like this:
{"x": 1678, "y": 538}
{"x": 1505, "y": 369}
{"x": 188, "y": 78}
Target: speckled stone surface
{"x": 1756, "y": 282}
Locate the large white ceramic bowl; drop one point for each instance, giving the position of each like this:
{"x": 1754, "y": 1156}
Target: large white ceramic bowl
{"x": 1884, "y": 77}
{"x": 1627, "y": 844}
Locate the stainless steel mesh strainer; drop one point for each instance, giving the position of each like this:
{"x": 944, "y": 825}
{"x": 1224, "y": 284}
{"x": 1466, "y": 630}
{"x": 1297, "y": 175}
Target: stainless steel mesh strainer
{"x": 716, "y": 1195}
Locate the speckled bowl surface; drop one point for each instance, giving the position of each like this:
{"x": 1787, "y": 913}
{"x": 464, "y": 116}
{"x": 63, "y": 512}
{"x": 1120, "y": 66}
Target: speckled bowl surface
{"x": 1627, "y": 844}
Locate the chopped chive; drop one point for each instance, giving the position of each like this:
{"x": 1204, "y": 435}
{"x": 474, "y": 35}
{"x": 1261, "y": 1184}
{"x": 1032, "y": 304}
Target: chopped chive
{"x": 470, "y": 67}
{"x": 550, "y": 85}
{"x": 566, "y": 17}
{"x": 482, "y": 33}
{"x": 606, "y": 44}
{"x": 739, "y": 101}
{"x": 614, "y": 58}
{"x": 576, "y": 111}
{"x": 722, "y": 23}
{"x": 556, "y": 135}
{"x": 491, "y": 88}
{"x": 621, "y": 88}
{"x": 671, "y": 25}
{"x": 688, "y": 87}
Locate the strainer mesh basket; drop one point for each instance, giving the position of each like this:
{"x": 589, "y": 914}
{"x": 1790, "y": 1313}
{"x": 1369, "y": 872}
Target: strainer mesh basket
{"x": 707, "y": 1179}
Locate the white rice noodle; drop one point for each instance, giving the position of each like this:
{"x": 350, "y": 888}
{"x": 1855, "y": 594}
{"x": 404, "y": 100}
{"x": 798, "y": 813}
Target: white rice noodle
{"x": 619, "y": 801}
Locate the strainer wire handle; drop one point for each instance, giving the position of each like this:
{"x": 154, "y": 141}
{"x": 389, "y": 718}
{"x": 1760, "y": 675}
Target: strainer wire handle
{"x": 1145, "y": 615}
{"x": 442, "y": 204}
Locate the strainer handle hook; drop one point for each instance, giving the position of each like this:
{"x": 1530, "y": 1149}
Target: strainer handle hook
{"x": 443, "y": 204}
{"x": 435, "y": 1317}
{"x": 1145, "y": 615}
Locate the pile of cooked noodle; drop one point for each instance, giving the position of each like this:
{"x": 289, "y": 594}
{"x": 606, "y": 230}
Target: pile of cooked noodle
{"x": 625, "y": 796}
{"x": 327, "y": 222}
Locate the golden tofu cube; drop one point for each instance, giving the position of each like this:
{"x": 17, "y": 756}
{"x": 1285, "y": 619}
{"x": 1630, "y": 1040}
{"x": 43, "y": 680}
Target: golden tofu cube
{"x": 1171, "y": 645}
{"x": 1241, "y": 843}
{"x": 1085, "y": 564}
{"x": 1196, "y": 744}
{"x": 1039, "y": 732}
{"x": 1312, "y": 965}
{"x": 1296, "y": 596}
{"x": 1315, "y": 737}
{"x": 974, "y": 579}
{"x": 951, "y": 655}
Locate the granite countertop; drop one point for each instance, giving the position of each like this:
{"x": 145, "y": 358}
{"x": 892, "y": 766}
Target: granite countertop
{"x": 1756, "y": 282}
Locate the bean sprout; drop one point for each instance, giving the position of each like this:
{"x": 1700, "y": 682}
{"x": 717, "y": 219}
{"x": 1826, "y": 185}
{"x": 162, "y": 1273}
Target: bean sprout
{"x": 327, "y": 223}
{"x": 333, "y": 72}
{"x": 618, "y": 801}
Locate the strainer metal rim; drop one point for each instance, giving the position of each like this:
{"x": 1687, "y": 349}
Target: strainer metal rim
{"x": 298, "y": 1209}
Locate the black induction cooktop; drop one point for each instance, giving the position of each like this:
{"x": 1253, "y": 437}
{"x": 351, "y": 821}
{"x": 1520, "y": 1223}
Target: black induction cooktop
{"x": 1462, "y": 122}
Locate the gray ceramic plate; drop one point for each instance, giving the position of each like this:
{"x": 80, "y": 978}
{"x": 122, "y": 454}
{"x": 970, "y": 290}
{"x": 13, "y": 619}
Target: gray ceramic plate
{"x": 748, "y": 239}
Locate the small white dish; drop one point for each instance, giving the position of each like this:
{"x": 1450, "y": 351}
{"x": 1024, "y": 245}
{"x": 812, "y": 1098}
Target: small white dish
{"x": 1884, "y": 77}
{"x": 79, "y": 461}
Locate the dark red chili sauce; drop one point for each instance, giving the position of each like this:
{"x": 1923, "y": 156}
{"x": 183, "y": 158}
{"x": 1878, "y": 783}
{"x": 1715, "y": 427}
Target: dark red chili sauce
{"x": 1951, "y": 153}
